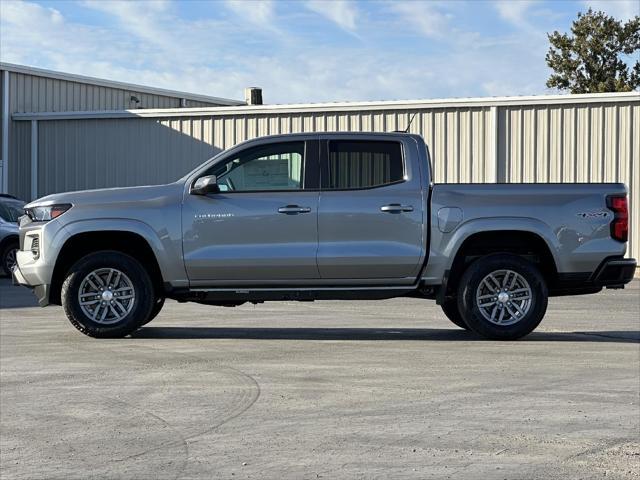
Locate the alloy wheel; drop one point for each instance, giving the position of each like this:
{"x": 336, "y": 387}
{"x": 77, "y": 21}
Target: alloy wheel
{"x": 504, "y": 297}
{"x": 106, "y": 296}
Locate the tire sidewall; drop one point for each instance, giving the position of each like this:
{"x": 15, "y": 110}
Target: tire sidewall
{"x": 155, "y": 310}
{"x": 4, "y": 268}
{"x": 451, "y": 311}
{"x": 467, "y": 296}
{"x": 140, "y": 280}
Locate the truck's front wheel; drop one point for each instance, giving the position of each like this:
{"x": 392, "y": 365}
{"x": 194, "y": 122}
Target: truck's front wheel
{"x": 107, "y": 294}
{"x": 450, "y": 309}
{"x": 502, "y": 297}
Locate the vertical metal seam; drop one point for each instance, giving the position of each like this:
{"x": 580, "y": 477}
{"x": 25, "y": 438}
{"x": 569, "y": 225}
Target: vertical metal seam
{"x": 561, "y": 161}
{"x": 34, "y": 159}
{"x": 632, "y": 186}
{"x": 495, "y": 139}
{"x": 548, "y": 142}
{"x": 589, "y": 156}
{"x": 533, "y": 132}
{"x": 618, "y": 156}
{"x": 458, "y": 162}
{"x": 522, "y": 149}
{"x": 5, "y": 131}
{"x": 603, "y": 135}
{"x": 575, "y": 144}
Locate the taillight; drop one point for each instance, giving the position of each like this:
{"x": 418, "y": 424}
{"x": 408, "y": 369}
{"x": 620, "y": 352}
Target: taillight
{"x": 620, "y": 225}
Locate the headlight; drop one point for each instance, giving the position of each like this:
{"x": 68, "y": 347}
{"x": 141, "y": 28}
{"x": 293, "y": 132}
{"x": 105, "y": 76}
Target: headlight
{"x": 44, "y": 214}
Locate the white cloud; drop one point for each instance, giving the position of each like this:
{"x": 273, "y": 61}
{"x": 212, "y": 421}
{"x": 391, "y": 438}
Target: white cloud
{"x": 515, "y": 12}
{"x": 341, "y": 12}
{"x": 620, "y": 9}
{"x": 258, "y": 12}
{"x": 210, "y": 56}
{"x": 426, "y": 17}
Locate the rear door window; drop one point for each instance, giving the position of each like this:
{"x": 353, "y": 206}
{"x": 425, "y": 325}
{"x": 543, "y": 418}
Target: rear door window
{"x": 356, "y": 164}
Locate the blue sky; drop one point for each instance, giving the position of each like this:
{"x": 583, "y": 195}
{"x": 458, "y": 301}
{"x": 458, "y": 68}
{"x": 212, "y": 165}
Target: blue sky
{"x": 299, "y": 51}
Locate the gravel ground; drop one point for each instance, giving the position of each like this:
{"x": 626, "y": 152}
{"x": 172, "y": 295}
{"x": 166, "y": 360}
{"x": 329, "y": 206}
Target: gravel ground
{"x": 333, "y": 390}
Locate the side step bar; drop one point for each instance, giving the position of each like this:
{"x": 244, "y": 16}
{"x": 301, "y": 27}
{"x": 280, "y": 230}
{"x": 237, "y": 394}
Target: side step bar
{"x": 239, "y": 295}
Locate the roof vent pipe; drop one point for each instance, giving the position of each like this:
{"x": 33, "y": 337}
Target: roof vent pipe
{"x": 253, "y": 95}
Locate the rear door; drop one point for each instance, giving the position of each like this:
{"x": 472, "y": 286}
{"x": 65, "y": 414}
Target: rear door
{"x": 370, "y": 214}
{"x": 262, "y": 226}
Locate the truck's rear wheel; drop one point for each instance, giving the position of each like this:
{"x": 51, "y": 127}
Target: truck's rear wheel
{"x": 107, "y": 295}
{"x": 502, "y": 297}
{"x": 450, "y": 309}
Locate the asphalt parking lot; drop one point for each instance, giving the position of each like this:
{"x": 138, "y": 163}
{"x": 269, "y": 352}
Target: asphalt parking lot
{"x": 330, "y": 390}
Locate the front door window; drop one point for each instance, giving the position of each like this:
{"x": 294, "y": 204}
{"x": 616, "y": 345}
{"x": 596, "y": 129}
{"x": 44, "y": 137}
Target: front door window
{"x": 275, "y": 167}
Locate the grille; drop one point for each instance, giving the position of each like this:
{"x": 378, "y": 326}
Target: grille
{"x": 35, "y": 247}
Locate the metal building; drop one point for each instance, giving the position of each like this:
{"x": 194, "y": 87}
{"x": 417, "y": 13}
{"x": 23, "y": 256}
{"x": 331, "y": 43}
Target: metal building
{"x": 559, "y": 138}
{"x": 29, "y": 89}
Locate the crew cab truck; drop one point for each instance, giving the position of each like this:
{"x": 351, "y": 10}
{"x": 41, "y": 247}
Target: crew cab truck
{"x": 323, "y": 216}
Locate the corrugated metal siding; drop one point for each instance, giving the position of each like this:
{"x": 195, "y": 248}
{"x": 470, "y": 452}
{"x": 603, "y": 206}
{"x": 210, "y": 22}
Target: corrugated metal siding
{"x": 557, "y": 143}
{"x": 1, "y": 114}
{"x": 85, "y": 154}
{"x": 155, "y": 151}
{"x": 31, "y": 93}
{"x": 197, "y": 104}
{"x": 20, "y": 147}
{"x": 35, "y": 93}
{"x": 574, "y": 143}
{"x": 459, "y": 139}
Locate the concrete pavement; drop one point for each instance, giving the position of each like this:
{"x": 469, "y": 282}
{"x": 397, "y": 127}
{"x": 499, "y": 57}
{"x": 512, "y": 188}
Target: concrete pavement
{"x": 333, "y": 390}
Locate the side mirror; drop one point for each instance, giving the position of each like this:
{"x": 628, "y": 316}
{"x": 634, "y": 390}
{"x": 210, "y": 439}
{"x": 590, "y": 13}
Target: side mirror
{"x": 205, "y": 185}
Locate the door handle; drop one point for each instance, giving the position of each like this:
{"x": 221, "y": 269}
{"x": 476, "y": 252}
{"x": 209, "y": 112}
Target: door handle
{"x": 396, "y": 208}
{"x": 293, "y": 210}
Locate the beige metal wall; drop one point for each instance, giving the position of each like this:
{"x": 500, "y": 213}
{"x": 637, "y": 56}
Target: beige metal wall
{"x": 94, "y": 153}
{"x": 460, "y": 140}
{"x": 31, "y": 93}
{"x": 85, "y": 154}
{"x": 569, "y": 142}
{"x": 587, "y": 143}
{"x": 1, "y": 115}
{"x": 39, "y": 93}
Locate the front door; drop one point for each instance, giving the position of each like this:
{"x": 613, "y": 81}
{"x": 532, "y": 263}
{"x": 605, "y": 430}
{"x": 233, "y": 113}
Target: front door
{"x": 370, "y": 220}
{"x": 262, "y": 225}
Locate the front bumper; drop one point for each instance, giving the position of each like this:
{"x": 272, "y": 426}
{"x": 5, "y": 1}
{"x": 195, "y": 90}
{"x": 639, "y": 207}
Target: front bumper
{"x": 614, "y": 272}
{"x": 40, "y": 291}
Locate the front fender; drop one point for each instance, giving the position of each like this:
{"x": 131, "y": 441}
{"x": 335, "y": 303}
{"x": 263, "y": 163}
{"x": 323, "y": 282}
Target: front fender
{"x": 167, "y": 250}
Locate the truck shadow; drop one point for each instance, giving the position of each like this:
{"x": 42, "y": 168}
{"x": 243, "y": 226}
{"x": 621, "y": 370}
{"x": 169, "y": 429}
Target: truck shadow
{"x": 389, "y": 334}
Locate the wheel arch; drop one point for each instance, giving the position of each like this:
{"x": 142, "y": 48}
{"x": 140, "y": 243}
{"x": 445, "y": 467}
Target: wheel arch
{"x": 83, "y": 243}
{"x": 529, "y": 243}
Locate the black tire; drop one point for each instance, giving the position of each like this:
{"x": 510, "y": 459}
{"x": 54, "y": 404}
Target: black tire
{"x": 157, "y": 306}
{"x": 468, "y": 305}
{"x": 6, "y": 259}
{"x": 142, "y": 305}
{"x": 450, "y": 309}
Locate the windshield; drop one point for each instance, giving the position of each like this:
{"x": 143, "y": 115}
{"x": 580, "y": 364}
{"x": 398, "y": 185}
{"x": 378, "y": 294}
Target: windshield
{"x": 11, "y": 210}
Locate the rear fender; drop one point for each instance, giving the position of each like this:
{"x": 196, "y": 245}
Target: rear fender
{"x": 444, "y": 247}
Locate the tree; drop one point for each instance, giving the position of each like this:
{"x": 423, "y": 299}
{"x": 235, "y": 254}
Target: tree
{"x": 593, "y": 59}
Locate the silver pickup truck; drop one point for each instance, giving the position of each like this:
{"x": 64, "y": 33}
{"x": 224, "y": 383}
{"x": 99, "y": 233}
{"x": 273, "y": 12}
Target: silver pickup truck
{"x": 323, "y": 216}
